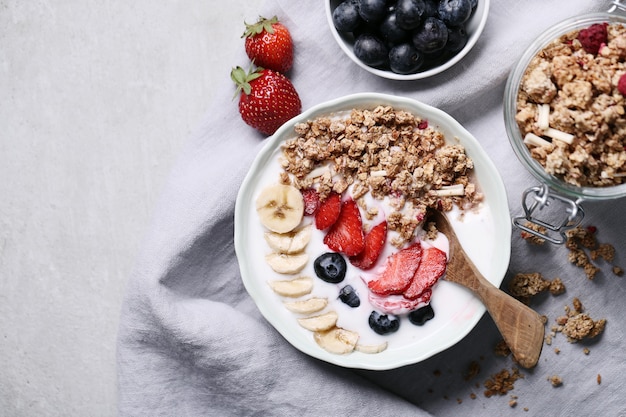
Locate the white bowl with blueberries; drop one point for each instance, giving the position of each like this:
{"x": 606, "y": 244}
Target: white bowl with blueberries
{"x": 406, "y": 39}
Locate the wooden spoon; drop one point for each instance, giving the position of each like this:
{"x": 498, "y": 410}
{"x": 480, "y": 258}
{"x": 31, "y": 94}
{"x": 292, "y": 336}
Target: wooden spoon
{"x": 521, "y": 327}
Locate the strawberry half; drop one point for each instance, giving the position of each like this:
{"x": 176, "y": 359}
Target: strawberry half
{"x": 328, "y": 211}
{"x": 398, "y": 271}
{"x": 267, "y": 99}
{"x": 374, "y": 244}
{"x": 311, "y": 201}
{"x": 269, "y": 45}
{"x": 346, "y": 235}
{"x": 431, "y": 268}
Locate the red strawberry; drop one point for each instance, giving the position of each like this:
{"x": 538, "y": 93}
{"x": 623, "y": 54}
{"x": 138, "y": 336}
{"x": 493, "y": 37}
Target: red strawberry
{"x": 269, "y": 44}
{"x": 346, "y": 235}
{"x": 328, "y": 211}
{"x": 621, "y": 85}
{"x": 431, "y": 268}
{"x": 398, "y": 271}
{"x": 311, "y": 201}
{"x": 374, "y": 243}
{"x": 267, "y": 98}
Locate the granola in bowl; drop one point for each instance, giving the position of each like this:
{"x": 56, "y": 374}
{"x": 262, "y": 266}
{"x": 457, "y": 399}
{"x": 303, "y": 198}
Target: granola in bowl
{"x": 387, "y": 158}
{"x": 564, "y": 107}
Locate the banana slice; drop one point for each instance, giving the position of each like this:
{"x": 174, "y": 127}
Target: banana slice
{"x": 290, "y": 242}
{"x": 292, "y": 288}
{"x": 319, "y": 323}
{"x": 371, "y": 348}
{"x": 337, "y": 340}
{"x": 312, "y": 305}
{"x": 287, "y": 264}
{"x": 280, "y": 207}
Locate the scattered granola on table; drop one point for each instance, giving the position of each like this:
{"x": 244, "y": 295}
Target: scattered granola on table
{"x": 570, "y": 109}
{"x": 502, "y": 382}
{"x": 584, "y": 248}
{"x": 577, "y": 325}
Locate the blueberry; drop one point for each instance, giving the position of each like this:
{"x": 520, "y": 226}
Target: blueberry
{"x": 391, "y": 32}
{"x": 346, "y": 16}
{"x": 457, "y": 38}
{"x": 371, "y": 50}
{"x": 455, "y": 12}
{"x": 430, "y": 8}
{"x": 409, "y": 13}
{"x": 383, "y": 323}
{"x": 421, "y": 315}
{"x": 349, "y": 296}
{"x": 373, "y": 10}
{"x": 405, "y": 59}
{"x": 431, "y": 36}
{"x": 330, "y": 267}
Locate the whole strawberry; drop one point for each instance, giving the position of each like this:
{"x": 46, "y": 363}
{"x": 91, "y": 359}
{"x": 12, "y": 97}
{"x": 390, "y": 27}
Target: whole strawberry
{"x": 267, "y": 99}
{"x": 269, "y": 44}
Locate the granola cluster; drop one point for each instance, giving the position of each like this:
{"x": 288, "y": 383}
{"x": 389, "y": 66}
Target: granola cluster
{"x": 385, "y": 153}
{"x": 571, "y": 113}
{"x": 577, "y": 325}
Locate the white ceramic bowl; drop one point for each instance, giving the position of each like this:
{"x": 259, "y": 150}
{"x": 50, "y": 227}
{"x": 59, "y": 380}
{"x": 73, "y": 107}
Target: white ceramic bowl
{"x": 486, "y": 237}
{"x": 474, "y": 28}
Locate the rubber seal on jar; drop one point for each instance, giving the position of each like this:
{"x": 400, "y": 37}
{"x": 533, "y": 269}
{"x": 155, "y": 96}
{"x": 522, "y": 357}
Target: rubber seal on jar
{"x": 548, "y": 215}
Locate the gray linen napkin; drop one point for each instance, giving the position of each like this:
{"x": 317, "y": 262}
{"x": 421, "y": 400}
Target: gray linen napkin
{"x": 192, "y": 342}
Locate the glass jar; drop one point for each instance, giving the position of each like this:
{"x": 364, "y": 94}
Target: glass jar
{"x": 554, "y": 205}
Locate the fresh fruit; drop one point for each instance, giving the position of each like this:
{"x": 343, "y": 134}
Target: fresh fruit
{"x": 391, "y": 32}
{"x": 346, "y": 16}
{"x": 454, "y": 12}
{"x": 371, "y": 349}
{"x": 267, "y": 99}
{"x": 398, "y": 271}
{"x": 292, "y": 288}
{"x": 457, "y": 39}
{"x": 308, "y": 306}
{"x": 330, "y": 267}
{"x": 287, "y": 264}
{"x": 422, "y": 315}
{"x": 409, "y": 13}
{"x": 328, "y": 211}
{"x": 374, "y": 243}
{"x": 431, "y": 268}
{"x": 280, "y": 207}
{"x": 383, "y": 323}
{"x": 311, "y": 201}
{"x": 384, "y": 42}
{"x": 290, "y": 242}
{"x": 337, "y": 340}
{"x": 371, "y": 50}
{"x": 431, "y": 36}
{"x": 397, "y": 304}
{"x": 405, "y": 59}
{"x": 346, "y": 235}
{"x": 319, "y": 323}
{"x": 372, "y": 10}
{"x": 348, "y": 296}
{"x": 269, "y": 45}
{"x": 592, "y": 38}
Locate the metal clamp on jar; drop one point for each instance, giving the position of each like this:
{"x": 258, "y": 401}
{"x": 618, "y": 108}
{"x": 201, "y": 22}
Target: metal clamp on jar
{"x": 554, "y": 207}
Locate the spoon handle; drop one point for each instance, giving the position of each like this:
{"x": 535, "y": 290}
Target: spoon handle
{"x": 521, "y": 327}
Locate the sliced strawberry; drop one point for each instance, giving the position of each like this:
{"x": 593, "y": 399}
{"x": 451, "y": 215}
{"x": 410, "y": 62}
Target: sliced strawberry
{"x": 398, "y": 304}
{"x": 346, "y": 235}
{"x": 311, "y": 201}
{"x": 398, "y": 271}
{"x": 374, "y": 244}
{"x": 328, "y": 211}
{"x": 431, "y": 268}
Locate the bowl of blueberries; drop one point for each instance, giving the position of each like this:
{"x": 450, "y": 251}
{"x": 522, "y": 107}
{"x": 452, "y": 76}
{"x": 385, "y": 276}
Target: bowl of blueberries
{"x": 406, "y": 39}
